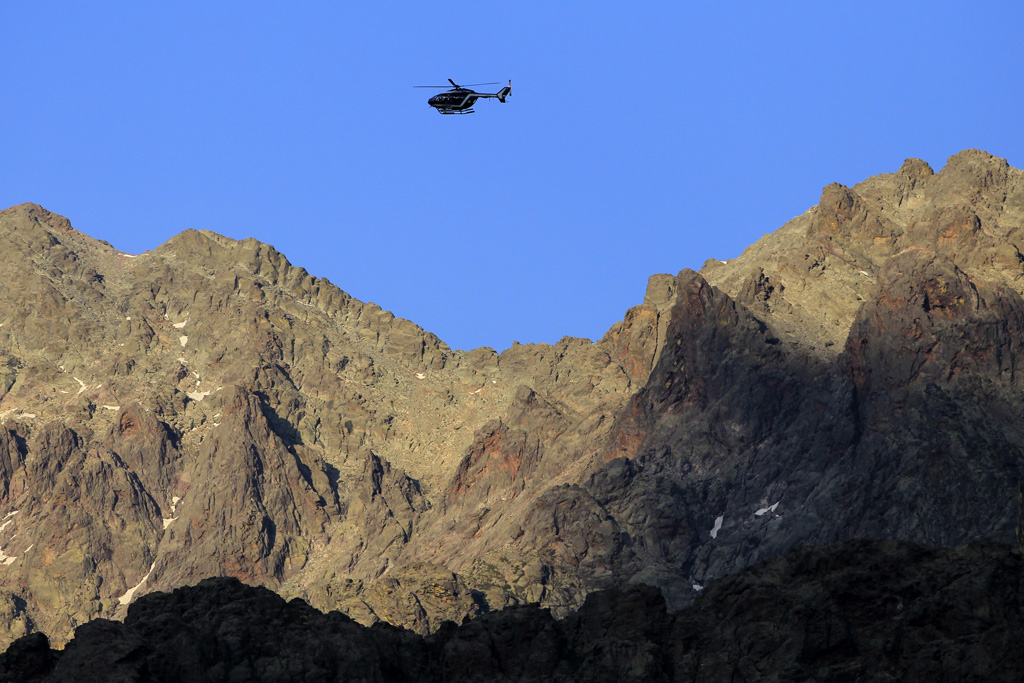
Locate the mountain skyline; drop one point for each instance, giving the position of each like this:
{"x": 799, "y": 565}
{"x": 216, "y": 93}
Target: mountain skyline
{"x": 637, "y": 140}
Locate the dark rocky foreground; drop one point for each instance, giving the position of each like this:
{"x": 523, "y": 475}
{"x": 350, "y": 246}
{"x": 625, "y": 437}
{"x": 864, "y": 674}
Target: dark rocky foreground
{"x": 859, "y": 610}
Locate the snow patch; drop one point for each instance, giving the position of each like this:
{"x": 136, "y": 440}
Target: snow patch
{"x": 81, "y": 384}
{"x": 197, "y": 395}
{"x": 127, "y": 597}
{"x": 183, "y": 340}
{"x": 7, "y": 519}
{"x": 718, "y": 526}
{"x": 6, "y": 559}
{"x": 420, "y": 375}
{"x": 697, "y": 587}
{"x": 111, "y": 407}
{"x": 26, "y": 416}
{"x": 764, "y": 511}
{"x": 174, "y": 505}
{"x": 180, "y": 325}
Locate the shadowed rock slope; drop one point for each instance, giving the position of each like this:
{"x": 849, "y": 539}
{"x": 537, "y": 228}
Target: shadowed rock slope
{"x": 861, "y": 610}
{"x": 208, "y": 409}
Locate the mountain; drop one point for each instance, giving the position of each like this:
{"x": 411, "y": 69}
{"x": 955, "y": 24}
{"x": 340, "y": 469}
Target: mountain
{"x": 207, "y": 409}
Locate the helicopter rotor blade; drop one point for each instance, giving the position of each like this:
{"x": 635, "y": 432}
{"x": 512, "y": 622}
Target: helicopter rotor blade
{"x": 457, "y": 85}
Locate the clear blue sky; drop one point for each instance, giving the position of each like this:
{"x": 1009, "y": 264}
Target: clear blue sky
{"x": 639, "y": 137}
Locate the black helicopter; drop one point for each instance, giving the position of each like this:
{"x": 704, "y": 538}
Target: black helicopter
{"x": 460, "y": 99}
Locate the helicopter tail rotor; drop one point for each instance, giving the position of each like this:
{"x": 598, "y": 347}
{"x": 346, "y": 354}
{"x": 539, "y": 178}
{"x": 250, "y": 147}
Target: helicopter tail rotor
{"x": 505, "y": 92}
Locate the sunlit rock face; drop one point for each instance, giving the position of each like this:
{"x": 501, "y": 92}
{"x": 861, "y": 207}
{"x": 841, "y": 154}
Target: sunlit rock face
{"x": 208, "y": 409}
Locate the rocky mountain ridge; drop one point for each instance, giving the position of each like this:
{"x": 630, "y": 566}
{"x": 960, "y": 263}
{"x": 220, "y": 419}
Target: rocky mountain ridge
{"x": 209, "y": 409}
{"x": 861, "y": 610}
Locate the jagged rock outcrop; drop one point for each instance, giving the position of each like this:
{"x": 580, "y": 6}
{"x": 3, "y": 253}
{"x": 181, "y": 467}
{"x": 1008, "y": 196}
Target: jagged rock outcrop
{"x": 822, "y": 265}
{"x": 757, "y": 433}
{"x": 882, "y": 611}
{"x": 207, "y": 408}
{"x": 750, "y": 446}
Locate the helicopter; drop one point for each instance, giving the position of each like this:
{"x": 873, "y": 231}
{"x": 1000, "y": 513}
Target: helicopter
{"x": 460, "y": 99}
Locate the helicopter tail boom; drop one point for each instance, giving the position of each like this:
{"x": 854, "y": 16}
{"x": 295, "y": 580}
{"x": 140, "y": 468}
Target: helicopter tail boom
{"x": 505, "y": 92}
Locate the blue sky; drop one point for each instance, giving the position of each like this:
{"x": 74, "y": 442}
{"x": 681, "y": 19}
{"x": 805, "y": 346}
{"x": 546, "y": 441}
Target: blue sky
{"x": 637, "y": 140}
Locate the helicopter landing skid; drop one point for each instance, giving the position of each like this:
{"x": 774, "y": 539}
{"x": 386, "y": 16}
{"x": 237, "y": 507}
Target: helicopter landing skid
{"x": 456, "y": 111}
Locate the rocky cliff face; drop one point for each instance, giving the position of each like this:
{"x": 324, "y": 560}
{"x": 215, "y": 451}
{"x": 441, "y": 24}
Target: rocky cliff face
{"x": 208, "y": 409}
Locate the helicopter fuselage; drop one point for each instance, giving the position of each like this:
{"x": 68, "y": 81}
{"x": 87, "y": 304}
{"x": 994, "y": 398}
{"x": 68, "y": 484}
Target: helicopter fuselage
{"x": 460, "y": 100}
{"x": 457, "y": 101}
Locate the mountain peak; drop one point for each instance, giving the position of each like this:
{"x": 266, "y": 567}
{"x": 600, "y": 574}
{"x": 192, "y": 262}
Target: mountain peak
{"x": 21, "y": 214}
{"x": 212, "y": 409}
